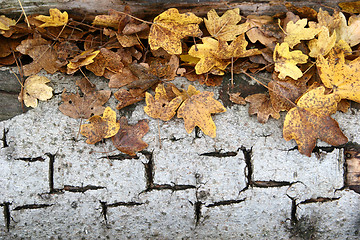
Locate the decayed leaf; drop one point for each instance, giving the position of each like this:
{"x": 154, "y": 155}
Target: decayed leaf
{"x": 297, "y": 31}
{"x": 128, "y": 97}
{"x": 349, "y": 32}
{"x": 236, "y": 98}
{"x": 343, "y": 78}
{"x": 56, "y": 18}
{"x": 124, "y": 78}
{"x": 106, "y": 59}
{"x": 323, "y": 44}
{"x": 164, "y": 68}
{"x": 113, "y": 19}
{"x": 161, "y": 106}
{"x": 35, "y": 88}
{"x": 311, "y": 120}
{"x": 90, "y": 104}
{"x": 303, "y": 12}
{"x": 206, "y": 52}
{"x": 225, "y": 28}
{"x": 197, "y": 110}
{"x": 352, "y": 7}
{"x": 100, "y": 127}
{"x": 260, "y": 104}
{"x": 285, "y": 61}
{"x": 43, "y": 55}
{"x": 170, "y": 27}
{"x": 85, "y": 58}
{"x": 237, "y": 49}
{"x": 259, "y": 31}
{"x": 6, "y": 23}
{"x": 129, "y": 137}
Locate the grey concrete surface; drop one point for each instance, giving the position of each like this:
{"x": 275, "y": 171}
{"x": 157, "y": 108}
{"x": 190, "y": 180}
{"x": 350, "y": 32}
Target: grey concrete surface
{"x": 247, "y": 183}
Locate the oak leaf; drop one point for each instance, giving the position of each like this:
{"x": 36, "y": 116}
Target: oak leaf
{"x": 323, "y": 44}
{"x": 197, "y": 110}
{"x": 225, "y": 28}
{"x": 56, "y": 18}
{"x": 129, "y": 137}
{"x": 35, "y": 88}
{"x": 285, "y": 61}
{"x": 161, "y": 106}
{"x": 170, "y": 27}
{"x": 261, "y": 105}
{"x": 297, "y": 31}
{"x": 91, "y": 103}
{"x": 311, "y": 120}
{"x": 100, "y": 127}
{"x": 43, "y": 55}
{"x": 208, "y": 56}
{"x": 342, "y": 77}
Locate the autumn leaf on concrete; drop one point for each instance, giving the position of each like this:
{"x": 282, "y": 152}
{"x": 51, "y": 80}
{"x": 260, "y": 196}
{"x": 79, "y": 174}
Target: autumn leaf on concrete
{"x": 100, "y": 127}
{"x": 128, "y": 97}
{"x": 311, "y": 120}
{"x": 236, "y": 49}
{"x": 285, "y": 61}
{"x": 106, "y": 59}
{"x": 342, "y": 77}
{"x": 119, "y": 80}
{"x": 225, "y": 28}
{"x": 91, "y": 103}
{"x": 161, "y": 106}
{"x": 164, "y": 68}
{"x": 297, "y": 31}
{"x": 129, "y": 137}
{"x": 197, "y": 110}
{"x": 349, "y": 31}
{"x": 43, "y": 55}
{"x": 208, "y": 56}
{"x": 35, "y": 88}
{"x": 260, "y": 104}
{"x": 85, "y": 58}
{"x": 6, "y": 23}
{"x": 170, "y": 27}
{"x": 323, "y": 44}
{"x": 236, "y": 98}
{"x": 56, "y": 18}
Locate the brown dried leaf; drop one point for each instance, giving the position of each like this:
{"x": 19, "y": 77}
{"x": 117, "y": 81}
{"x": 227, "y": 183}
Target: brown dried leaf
{"x": 106, "y": 59}
{"x": 260, "y": 104}
{"x": 122, "y": 79}
{"x": 164, "y": 68}
{"x": 236, "y": 98}
{"x": 128, "y": 97}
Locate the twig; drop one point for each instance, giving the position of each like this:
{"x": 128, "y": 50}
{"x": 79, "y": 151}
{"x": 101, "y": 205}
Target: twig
{"x": 26, "y": 19}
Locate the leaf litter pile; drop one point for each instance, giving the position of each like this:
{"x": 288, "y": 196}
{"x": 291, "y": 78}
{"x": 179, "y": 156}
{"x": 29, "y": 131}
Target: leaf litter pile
{"x": 313, "y": 57}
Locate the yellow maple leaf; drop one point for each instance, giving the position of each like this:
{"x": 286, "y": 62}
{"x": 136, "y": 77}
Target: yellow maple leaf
{"x": 349, "y": 32}
{"x": 56, "y": 18}
{"x": 85, "y": 58}
{"x": 323, "y": 44}
{"x": 100, "y": 127}
{"x": 6, "y": 23}
{"x": 170, "y": 27}
{"x": 343, "y": 78}
{"x": 297, "y": 31}
{"x": 225, "y": 28}
{"x": 196, "y": 111}
{"x": 161, "y": 106}
{"x": 311, "y": 120}
{"x": 236, "y": 49}
{"x": 35, "y": 88}
{"x": 285, "y": 61}
{"x": 208, "y": 56}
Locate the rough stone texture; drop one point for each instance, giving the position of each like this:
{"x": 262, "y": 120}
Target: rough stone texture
{"x": 247, "y": 183}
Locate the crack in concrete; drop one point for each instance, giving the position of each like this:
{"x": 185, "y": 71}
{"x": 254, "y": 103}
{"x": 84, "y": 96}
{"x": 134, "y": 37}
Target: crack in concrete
{"x": 51, "y": 173}
{"x": 32, "y": 206}
{"x": 3, "y": 139}
{"x": 319, "y": 199}
{"x": 225, "y": 202}
{"x": 70, "y": 188}
{"x": 6, "y": 212}
{"x": 197, "y": 210}
{"x": 31, "y": 159}
{"x": 219, "y": 154}
{"x": 120, "y": 156}
{"x": 249, "y": 167}
{"x": 126, "y": 204}
{"x": 269, "y": 184}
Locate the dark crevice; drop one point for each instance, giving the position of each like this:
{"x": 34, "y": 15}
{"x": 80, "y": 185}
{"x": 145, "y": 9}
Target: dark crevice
{"x": 318, "y": 150}
{"x": 197, "y": 132}
{"x": 51, "y": 173}
{"x": 319, "y": 199}
{"x": 35, "y": 159}
{"x": 197, "y": 208}
{"x": 249, "y": 167}
{"x": 32, "y": 206}
{"x": 219, "y": 154}
{"x": 149, "y": 171}
{"x": 352, "y": 157}
{"x": 3, "y": 139}
{"x": 173, "y": 187}
{"x": 268, "y": 184}
{"x": 104, "y": 210}
{"x": 174, "y": 139}
{"x": 7, "y": 216}
{"x": 120, "y": 156}
{"x": 70, "y": 188}
{"x": 293, "y": 217}
{"x": 224, "y": 203}
{"x": 126, "y": 204}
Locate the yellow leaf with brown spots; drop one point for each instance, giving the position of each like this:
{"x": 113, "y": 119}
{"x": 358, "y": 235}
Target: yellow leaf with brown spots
{"x": 56, "y": 18}
{"x": 311, "y": 120}
{"x": 197, "y": 110}
{"x": 85, "y": 58}
{"x": 323, "y": 44}
{"x": 236, "y": 49}
{"x": 100, "y": 127}
{"x": 295, "y": 32}
{"x": 170, "y": 27}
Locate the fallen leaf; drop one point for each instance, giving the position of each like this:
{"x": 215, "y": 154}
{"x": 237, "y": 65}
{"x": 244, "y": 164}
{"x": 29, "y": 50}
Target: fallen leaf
{"x": 85, "y": 58}
{"x": 145, "y": 79}
{"x": 237, "y": 49}
{"x": 303, "y": 12}
{"x": 161, "y": 106}
{"x": 113, "y": 19}
{"x": 66, "y": 50}
{"x": 311, "y": 120}
{"x": 295, "y": 32}
{"x": 325, "y": 19}
{"x": 323, "y": 44}
{"x": 35, "y": 88}
{"x": 260, "y": 104}
{"x": 124, "y": 78}
{"x": 43, "y": 55}
{"x": 100, "y": 127}
{"x": 286, "y": 61}
{"x": 56, "y": 18}
{"x": 206, "y": 52}
{"x": 6, "y": 23}
{"x": 91, "y": 103}
{"x": 343, "y": 105}
{"x": 225, "y": 28}
{"x": 343, "y": 78}
{"x": 263, "y": 29}
{"x": 106, "y": 59}
{"x": 170, "y": 27}
{"x": 128, "y": 97}
{"x": 8, "y": 46}
{"x": 197, "y": 110}
{"x": 351, "y": 7}
{"x": 129, "y": 137}
{"x": 349, "y": 31}
{"x": 164, "y": 68}
{"x": 236, "y": 98}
